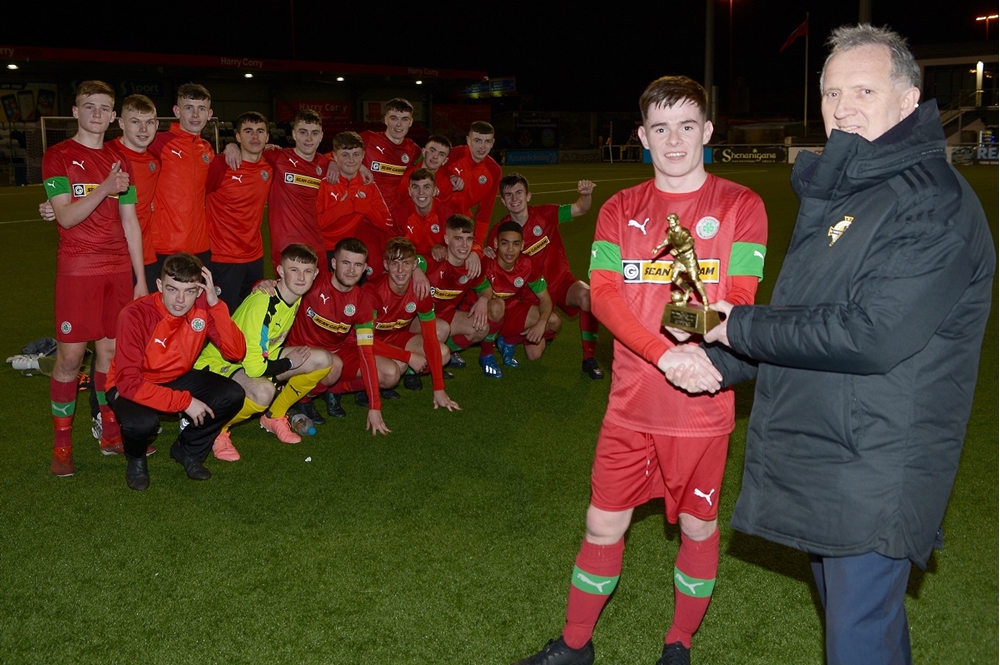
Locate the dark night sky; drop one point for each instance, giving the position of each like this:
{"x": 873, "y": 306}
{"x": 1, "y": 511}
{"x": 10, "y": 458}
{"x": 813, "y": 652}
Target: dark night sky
{"x": 564, "y": 57}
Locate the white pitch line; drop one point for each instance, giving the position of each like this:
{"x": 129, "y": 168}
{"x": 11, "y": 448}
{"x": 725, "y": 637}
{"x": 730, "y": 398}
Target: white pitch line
{"x": 23, "y": 221}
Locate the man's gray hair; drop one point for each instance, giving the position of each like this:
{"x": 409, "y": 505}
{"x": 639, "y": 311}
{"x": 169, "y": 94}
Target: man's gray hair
{"x": 904, "y": 66}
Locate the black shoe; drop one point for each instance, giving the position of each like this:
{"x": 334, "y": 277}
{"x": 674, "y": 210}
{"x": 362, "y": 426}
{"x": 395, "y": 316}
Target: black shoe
{"x": 389, "y": 393}
{"x": 308, "y": 409}
{"x": 675, "y": 654}
{"x": 592, "y": 369}
{"x": 137, "y": 473}
{"x": 557, "y": 652}
{"x": 361, "y": 399}
{"x": 195, "y": 469}
{"x": 456, "y": 362}
{"x": 333, "y": 407}
{"x": 412, "y": 382}
{"x": 445, "y": 374}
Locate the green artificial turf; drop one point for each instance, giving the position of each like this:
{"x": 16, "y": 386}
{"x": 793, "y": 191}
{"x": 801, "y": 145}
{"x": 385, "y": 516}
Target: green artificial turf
{"x": 449, "y": 541}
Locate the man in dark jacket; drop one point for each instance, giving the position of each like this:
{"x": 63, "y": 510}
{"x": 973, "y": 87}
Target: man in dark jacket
{"x": 866, "y": 358}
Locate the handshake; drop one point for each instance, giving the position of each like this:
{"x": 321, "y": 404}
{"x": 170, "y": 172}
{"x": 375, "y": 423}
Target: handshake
{"x": 687, "y": 366}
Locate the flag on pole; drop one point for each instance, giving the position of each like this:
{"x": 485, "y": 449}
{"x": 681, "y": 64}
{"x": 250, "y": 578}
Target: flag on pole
{"x": 801, "y": 31}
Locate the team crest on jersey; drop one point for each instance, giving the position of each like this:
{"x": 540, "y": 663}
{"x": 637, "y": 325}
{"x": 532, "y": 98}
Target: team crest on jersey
{"x": 198, "y": 324}
{"x": 518, "y": 282}
{"x": 411, "y": 307}
{"x": 435, "y": 228}
{"x": 152, "y": 167}
{"x": 406, "y": 159}
{"x": 264, "y": 176}
{"x": 369, "y": 271}
{"x": 839, "y": 228}
{"x": 319, "y": 171}
{"x": 482, "y": 180}
{"x": 349, "y": 310}
{"x": 204, "y": 157}
{"x": 537, "y": 230}
{"x": 218, "y": 290}
{"x": 463, "y": 279}
{"x": 66, "y": 327}
{"x": 707, "y": 227}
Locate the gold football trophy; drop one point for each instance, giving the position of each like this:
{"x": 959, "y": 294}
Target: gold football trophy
{"x": 694, "y": 318}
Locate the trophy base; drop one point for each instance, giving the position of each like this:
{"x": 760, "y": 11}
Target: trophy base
{"x": 692, "y": 318}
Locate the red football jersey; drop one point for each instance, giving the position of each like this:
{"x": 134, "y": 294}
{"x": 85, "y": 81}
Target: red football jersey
{"x": 424, "y": 232}
{"x": 542, "y": 242}
{"x": 524, "y": 276}
{"x": 97, "y": 245}
{"x": 449, "y": 286}
{"x": 328, "y": 318}
{"x": 388, "y": 161}
{"x": 395, "y": 313}
{"x": 729, "y": 226}
{"x": 341, "y": 207}
{"x": 482, "y": 181}
{"x": 179, "y": 200}
{"x": 234, "y": 208}
{"x": 291, "y": 204}
{"x": 146, "y": 171}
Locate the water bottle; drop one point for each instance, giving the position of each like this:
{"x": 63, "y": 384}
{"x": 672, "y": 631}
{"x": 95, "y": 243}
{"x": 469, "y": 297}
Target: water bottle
{"x": 302, "y": 425}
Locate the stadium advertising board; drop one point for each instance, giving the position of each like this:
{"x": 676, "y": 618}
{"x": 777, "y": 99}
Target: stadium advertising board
{"x": 984, "y": 154}
{"x": 793, "y": 153}
{"x": 332, "y": 110}
{"x": 534, "y": 133}
{"x": 28, "y": 103}
{"x": 745, "y": 154}
{"x": 530, "y": 157}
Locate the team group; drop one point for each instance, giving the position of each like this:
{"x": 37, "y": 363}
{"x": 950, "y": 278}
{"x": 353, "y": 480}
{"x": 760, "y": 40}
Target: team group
{"x": 384, "y": 272}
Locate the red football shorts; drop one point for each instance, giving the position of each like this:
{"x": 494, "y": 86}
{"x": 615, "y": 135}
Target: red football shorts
{"x": 351, "y": 357}
{"x": 559, "y": 289}
{"x": 630, "y": 468}
{"x": 87, "y": 306}
{"x": 514, "y": 318}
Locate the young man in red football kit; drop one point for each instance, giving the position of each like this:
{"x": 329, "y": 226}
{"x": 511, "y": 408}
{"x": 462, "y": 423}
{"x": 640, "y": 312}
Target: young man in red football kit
{"x": 389, "y": 153}
{"x": 433, "y": 157}
{"x": 138, "y": 124}
{"x": 100, "y": 249}
{"x": 352, "y": 209}
{"x": 451, "y": 282}
{"x": 406, "y": 330}
{"x": 234, "y": 210}
{"x": 160, "y": 336}
{"x": 178, "y": 221}
{"x": 479, "y": 174}
{"x": 520, "y": 300}
{"x": 641, "y": 454}
{"x": 421, "y": 216}
{"x": 298, "y": 172}
{"x": 338, "y": 316}
{"x": 544, "y": 246}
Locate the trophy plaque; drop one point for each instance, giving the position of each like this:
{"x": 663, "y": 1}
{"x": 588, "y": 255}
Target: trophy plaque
{"x": 680, "y": 313}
